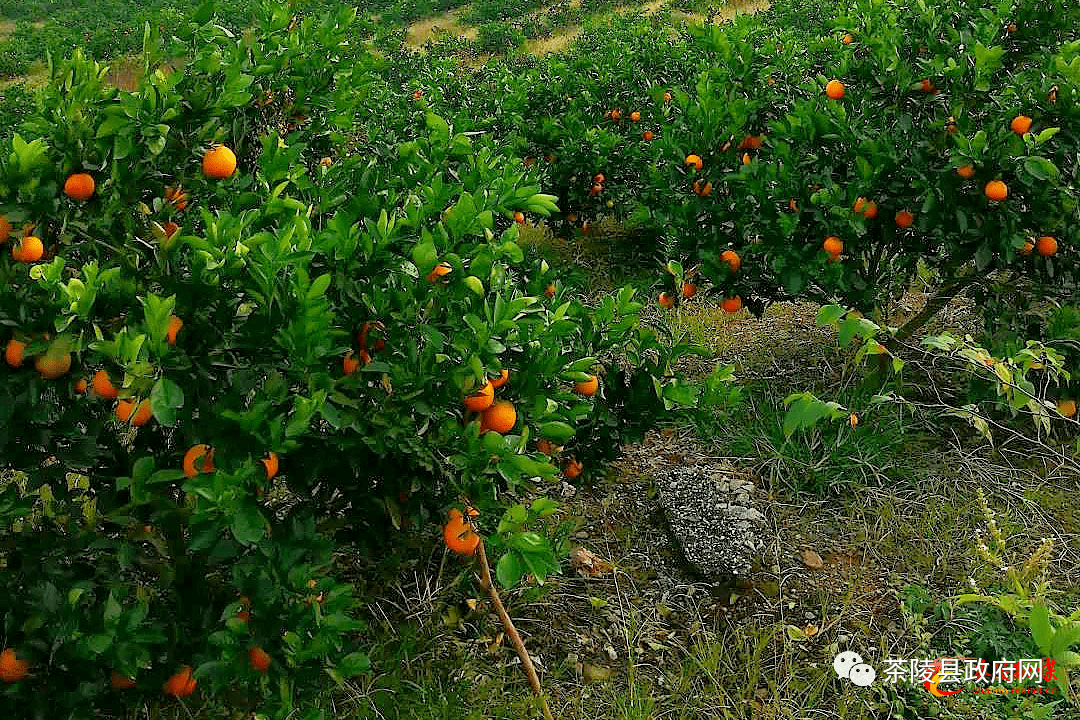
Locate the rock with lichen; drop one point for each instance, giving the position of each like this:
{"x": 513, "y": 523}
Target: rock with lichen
{"x": 713, "y": 520}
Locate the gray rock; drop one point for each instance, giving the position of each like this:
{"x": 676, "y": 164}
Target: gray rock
{"x": 712, "y": 518}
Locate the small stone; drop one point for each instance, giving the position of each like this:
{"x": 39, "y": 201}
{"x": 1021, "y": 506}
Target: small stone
{"x": 843, "y": 639}
{"x": 571, "y": 658}
{"x": 809, "y": 615}
{"x": 611, "y": 652}
{"x": 812, "y": 560}
{"x": 595, "y": 673}
{"x": 581, "y": 535}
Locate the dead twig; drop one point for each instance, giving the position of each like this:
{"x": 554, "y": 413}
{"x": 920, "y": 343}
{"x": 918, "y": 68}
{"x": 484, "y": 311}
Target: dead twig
{"x": 511, "y": 631}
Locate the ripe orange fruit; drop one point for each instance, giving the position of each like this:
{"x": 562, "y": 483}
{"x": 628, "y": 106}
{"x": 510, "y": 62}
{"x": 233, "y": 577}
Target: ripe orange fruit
{"x": 833, "y": 245}
{"x": 441, "y": 270}
{"x": 1067, "y": 407}
{"x": 1046, "y": 246}
{"x": 928, "y": 87}
{"x": 792, "y": 205}
{"x": 53, "y": 364}
{"x": 702, "y": 190}
{"x": 732, "y": 304}
{"x": 175, "y": 324}
{"x": 689, "y": 290}
{"x": 848, "y": 39}
{"x": 667, "y": 97}
{"x": 79, "y": 187}
{"x": 260, "y": 659}
{"x": 549, "y": 291}
{"x": 12, "y": 669}
{"x": 5, "y": 229}
{"x": 121, "y": 682}
{"x": 835, "y": 90}
{"x": 28, "y": 250}
{"x": 666, "y": 301}
{"x": 587, "y": 387}
{"x": 904, "y": 219}
{"x": 1028, "y": 247}
{"x": 500, "y": 417}
{"x": 545, "y": 447}
{"x": 480, "y": 400}
{"x": 1020, "y": 124}
{"x": 752, "y": 142}
{"x": 853, "y": 419}
{"x": 616, "y": 115}
{"x": 170, "y": 228}
{"x": 103, "y": 386}
{"x": 746, "y": 159}
{"x": 458, "y": 534}
{"x": 14, "y": 353}
{"x": 349, "y": 364}
{"x": 732, "y": 259}
{"x": 519, "y": 218}
{"x": 598, "y": 178}
{"x": 647, "y": 136}
{"x": 966, "y": 171}
{"x": 138, "y": 415}
{"x": 694, "y": 161}
{"x": 1010, "y": 28}
{"x": 80, "y": 386}
{"x": 871, "y": 210}
{"x": 596, "y": 189}
{"x": 270, "y": 462}
{"x": 572, "y": 469}
{"x": 219, "y": 163}
{"x": 996, "y": 191}
{"x": 635, "y": 116}
{"x": 198, "y": 459}
{"x": 498, "y": 382}
{"x": 180, "y": 685}
{"x": 860, "y": 205}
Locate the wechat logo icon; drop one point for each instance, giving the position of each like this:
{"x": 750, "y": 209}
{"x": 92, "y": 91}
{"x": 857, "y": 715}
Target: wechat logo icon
{"x": 849, "y": 665}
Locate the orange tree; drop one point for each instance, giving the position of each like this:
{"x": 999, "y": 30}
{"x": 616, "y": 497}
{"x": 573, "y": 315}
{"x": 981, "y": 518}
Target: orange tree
{"x": 903, "y": 168}
{"x": 894, "y": 144}
{"x": 256, "y": 283}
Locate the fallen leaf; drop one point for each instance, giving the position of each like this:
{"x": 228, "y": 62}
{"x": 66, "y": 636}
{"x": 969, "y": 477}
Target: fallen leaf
{"x": 588, "y": 563}
{"x": 812, "y": 560}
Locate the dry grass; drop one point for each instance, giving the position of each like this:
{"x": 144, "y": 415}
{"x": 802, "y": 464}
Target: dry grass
{"x": 424, "y": 31}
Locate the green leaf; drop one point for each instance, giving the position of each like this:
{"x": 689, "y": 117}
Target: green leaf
{"x": 248, "y": 524}
{"x": 1046, "y": 135}
{"x": 318, "y": 287}
{"x": 1041, "y": 631}
{"x": 544, "y": 507}
{"x": 1040, "y": 168}
{"x": 354, "y": 664}
{"x": 438, "y": 128}
{"x": 829, "y": 315}
{"x": 112, "y": 610}
{"x": 509, "y": 570}
{"x": 556, "y": 430}
{"x": 165, "y": 399}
